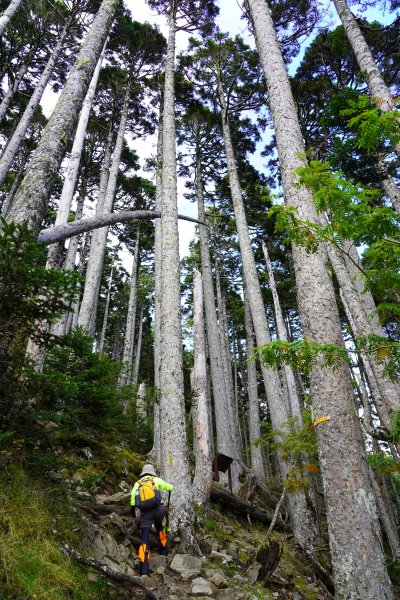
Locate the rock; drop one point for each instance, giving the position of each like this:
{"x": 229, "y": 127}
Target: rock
{"x": 93, "y": 577}
{"x": 252, "y": 572}
{"x": 214, "y": 543}
{"x": 105, "y": 549}
{"x": 228, "y": 530}
{"x": 77, "y": 477}
{"x": 178, "y": 592}
{"x": 188, "y": 575}
{"x": 158, "y": 564}
{"x": 201, "y": 587}
{"x": 184, "y": 563}
{"x": 296, "y": 596}
{"x": 227, "y": 594}
{"x": 226, "y": 558}
{"x": 218, "y": 580}
{"x": 210, "y": 572}
{"x": 118, "y": 498}
{"x": 87, "y": 453}
{"x": 48, "y": 425}
{"x": 238, "y": 577}
{"x": 232, "y": 550}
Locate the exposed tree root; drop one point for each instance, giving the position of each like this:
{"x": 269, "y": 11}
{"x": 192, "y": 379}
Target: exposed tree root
{"x": 110, "y": 573}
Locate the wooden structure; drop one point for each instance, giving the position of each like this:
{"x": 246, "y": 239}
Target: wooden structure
{"x": 222, "y": 463}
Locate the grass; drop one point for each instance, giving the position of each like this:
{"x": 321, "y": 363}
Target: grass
{"x": 34, "y": 523}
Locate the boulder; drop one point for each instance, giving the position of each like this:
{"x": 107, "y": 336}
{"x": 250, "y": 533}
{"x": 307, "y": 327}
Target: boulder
{"x": 158, "y": 564}
{"x": 253, "y": 571}
{"x": 226, "y": 558}
{"x": 218, "y": 580}
{"x": 118, "y": 498}
{"x": 184, "y": 563}
{"x": 201, "y": 587}
{"x": 103, "y": 547}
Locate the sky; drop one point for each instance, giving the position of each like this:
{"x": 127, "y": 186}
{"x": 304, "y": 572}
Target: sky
{"x": 229, "y": 20}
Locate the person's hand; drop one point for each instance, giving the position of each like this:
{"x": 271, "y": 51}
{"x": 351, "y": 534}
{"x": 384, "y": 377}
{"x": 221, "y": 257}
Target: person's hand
{"x": 136, "y": 523}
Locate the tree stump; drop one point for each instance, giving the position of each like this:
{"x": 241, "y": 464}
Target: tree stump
{"x": 268, "y": 556}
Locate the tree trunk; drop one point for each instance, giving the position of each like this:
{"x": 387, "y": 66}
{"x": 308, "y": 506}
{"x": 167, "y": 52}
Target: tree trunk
{"x": 32, "y": 198}
{"x": 155, "y": 453}
{"x": 174, "y": 451}
{"x": 129, "y": 341}
{"x": 141, "y": 402}
{"x": 60, "y": 328}
{"x": 282, "y": 335}
{"x": 355, "y": 537}
{"x": 106, "y": 310}
{"x": 9, "y": 95}
{"x": 227, "y": 365}
{"x": 392, "y": 191}
{"x": 14, "y": 143}
{"x": 8, "y": 14}
{"x": 224, "y": 426}
{"x": 88, "y": 310}
{"x": 257, "y": 463}
{"x": 15, "y": 185}
{"x": 304, "y": 524}
{"x": 71, "y": 174}
{"x": 203, "y": 475}
{"x": 138, "y": 350}
{"x": 379, "y": 91}
{"x": 388, "y": 390}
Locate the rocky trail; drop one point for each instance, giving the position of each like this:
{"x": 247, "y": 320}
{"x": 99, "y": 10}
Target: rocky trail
{"x": 227, "y": 569}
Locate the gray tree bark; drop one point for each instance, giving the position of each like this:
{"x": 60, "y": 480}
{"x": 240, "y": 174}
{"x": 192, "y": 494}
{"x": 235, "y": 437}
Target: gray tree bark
{"x": 379, "y": 91}
{"x": 156, "y": 450}
{"x": 8, "y": 14}
{"x": 14, "y": 143}
{"x": 106, "y": 310}
{"x": 174, "y": 451}
{"x": 392, "y": 191}
{"x": 203, "y": 475}
{"x": 33, "y": 195}
{"x": 138, "y": 350}
{"x": 224, "y": 426}
{"x": 71, "y": 175}
{"x": 386, "y": 396}
{"x": 9, "y": 95}
{"x": 227, "y": 365}
{"x": 15, "y": 185}
{"x": 88, "y": 309}
{"x": 257, "y": 463}
{"x": 355, "y": 538}
{"x": 141, "y": 402}
{"x": 293, "y": 396}
{"x": 129, "y": 341}
{"x": 60, "y": 328}
{"x": 304, "y": 525}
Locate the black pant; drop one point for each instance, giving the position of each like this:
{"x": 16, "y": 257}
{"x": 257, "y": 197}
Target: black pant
{"x": 147, "y": 518}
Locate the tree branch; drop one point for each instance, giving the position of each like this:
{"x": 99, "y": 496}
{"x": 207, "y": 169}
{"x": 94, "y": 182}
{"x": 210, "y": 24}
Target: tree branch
{"x": 63, "y": 232}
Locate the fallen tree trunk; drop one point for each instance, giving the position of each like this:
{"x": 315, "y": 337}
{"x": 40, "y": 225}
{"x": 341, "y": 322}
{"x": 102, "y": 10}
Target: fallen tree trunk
{"x": 63, "y": 232}
{"x": 110, "y": 573}
{"x": 245, "y": 509}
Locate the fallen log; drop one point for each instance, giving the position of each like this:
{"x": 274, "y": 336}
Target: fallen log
{"x": 243, "y": 508}
{"x": 110, "y": 573}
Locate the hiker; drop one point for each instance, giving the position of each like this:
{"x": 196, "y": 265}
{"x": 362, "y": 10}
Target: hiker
{"x": 147, "y": 507}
